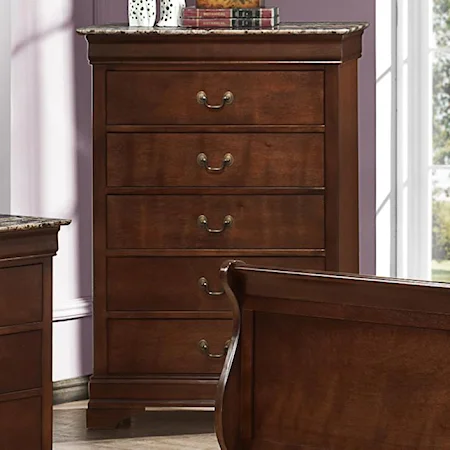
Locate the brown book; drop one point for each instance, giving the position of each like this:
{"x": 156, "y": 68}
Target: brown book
{"x": 196, "y": 22}
{"x": 230, "y": 3}
{"x": 231, "y": 13}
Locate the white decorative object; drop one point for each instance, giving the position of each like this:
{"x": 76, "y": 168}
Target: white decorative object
{"x": 141, "y": 13}
{"x": 170, "y": 12}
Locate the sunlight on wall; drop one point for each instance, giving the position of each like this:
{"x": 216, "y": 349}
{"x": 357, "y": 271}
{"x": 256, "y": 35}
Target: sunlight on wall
{"x": 43, "y": 140}
{"x": 50, "y": 158}
{"x": 5, "y": 106}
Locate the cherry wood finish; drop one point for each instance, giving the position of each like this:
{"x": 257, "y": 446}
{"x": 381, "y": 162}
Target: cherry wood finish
{"x": 26, "y": 305}
{"x": 24, "y": 367}
{"x": 26, "y": 338}
{"x": 259, "y": 159}
{"x": 171, "y": 346}
{"x": 171, "y": 221}
{"x": 272, "y": 97}
{"x": 172, "y": 283}
{"x": 292, "y": 191}
{"x": 23, "y": 425}
{"x": 321, "y": 360}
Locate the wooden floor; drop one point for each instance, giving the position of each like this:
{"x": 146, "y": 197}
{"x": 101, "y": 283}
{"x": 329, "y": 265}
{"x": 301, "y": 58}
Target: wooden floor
{"x": 189, "y": 429}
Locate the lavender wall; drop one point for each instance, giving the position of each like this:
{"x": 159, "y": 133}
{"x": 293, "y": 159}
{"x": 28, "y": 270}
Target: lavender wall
{"x": 51, "y": 158}
{"x": 5, "y": 106}
{"x": 326, "y": 10}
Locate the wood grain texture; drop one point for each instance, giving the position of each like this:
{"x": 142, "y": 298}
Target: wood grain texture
{"x": 215, "y": 51}
{"x": 26, "y": 338}
{"x": 154, "y": 390}
{"x": 258, "y": 221}
{"x": 170, "y": 346}
{"x": 172, "y": 284}
{"x": 21, "y": 302}
{"x": 21, "y": 425}
{"x": 27, "y": 243}
{"x": 259, "y": 97}
{"x": 99, "y": 219}
{"x": 21, "y": 359}
{"x": 283, "y": 190}
{"x": 338, "y": 361}
{"x": 341, "y": 167}
{"x": 259, "y": 160}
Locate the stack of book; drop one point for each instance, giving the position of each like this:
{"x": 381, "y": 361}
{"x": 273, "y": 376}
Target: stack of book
{"x": 237, "y": 18}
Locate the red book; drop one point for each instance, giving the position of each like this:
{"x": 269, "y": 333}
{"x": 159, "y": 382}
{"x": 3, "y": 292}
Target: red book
{"x": 231, "y": 13}
{"x": 194, "y": 22}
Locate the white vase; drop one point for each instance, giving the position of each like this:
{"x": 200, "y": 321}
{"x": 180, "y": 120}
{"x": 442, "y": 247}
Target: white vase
{"x": 141, "y": 13}
{"x": 170, "y": 12}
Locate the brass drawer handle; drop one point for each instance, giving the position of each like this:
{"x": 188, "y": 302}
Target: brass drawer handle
{"x": 202, "y": 161}
{"x": 203, "y": 283}
{"x": 204, "y": 348}
{"x": 203, "y": 222}
{"x": 227, "y": 99}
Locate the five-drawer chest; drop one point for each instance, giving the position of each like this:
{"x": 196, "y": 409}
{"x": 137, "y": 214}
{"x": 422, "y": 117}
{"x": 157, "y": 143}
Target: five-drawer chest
{"x": 209, "y": 145}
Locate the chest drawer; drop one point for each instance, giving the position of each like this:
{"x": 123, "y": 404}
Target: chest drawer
{"x": 181, "y": 283}
{"x": 215, "y": 221}
{"x": 166, "y": 346}
{"x": 219, "y": 159}
{"x": 21, "y": 424}
{"x": 20, "y": 361}
{"x": 20, "y": 294}
{"x": 256, "y": 97}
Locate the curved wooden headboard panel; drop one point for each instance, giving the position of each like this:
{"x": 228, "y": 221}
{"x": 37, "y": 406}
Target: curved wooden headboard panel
{"x": 227, "y": 422}
{"x": 334, "y": 362}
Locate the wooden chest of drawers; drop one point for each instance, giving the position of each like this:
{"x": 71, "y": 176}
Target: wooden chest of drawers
{"x": 209, "y": 146}
{"x": 26, "y": 248}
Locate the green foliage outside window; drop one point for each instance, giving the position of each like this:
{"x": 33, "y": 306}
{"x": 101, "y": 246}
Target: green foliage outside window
{"x": 441, "y": 130}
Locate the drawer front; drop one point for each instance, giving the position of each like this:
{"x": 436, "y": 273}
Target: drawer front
{"x": 21, "y": 424}
{"x": 174, "y": 159}
{"x": 21, "y": 361}
{"x": 20, "y": 294}
{"x": 259, "y": 98}
{"x": 188, "y": 221}
{"x": 166, "y": 346}
{"x": 181, "y": 283}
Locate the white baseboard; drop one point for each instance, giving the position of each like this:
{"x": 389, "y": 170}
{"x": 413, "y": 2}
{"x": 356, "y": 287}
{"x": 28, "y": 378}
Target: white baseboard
{"x": 73, "y": 309}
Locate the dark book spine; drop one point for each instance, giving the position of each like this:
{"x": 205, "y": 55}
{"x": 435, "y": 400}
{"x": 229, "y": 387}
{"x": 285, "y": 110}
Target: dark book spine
{"x": 230, "y": 23}
{"x": 237, "y": 13}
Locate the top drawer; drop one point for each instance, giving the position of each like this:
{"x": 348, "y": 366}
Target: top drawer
{"x": 21, "y": 298}
{"x": 258, "y": 98}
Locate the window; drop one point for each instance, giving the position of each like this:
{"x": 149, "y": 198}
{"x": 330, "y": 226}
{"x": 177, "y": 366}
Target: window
{"x": 439, "y": 62}
{"x": 419, "y": 144}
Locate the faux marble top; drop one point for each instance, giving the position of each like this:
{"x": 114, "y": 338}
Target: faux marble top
{"x": 284, "y": 28}
{"x": 18, "y": 223}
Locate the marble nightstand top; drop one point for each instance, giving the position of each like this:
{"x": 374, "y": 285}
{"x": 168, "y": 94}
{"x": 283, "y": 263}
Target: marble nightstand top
{"x": 19, "y": 223}
{"x": 308, "y": 28}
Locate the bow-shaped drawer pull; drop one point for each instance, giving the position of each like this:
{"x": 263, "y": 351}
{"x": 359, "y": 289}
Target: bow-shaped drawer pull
{"x": 203, "y": 283}
{"x": 227, "y": 99}
{"x": 204, "y": 348}
{"x": 203, "y": 222}
{"x": 202, "y": 161}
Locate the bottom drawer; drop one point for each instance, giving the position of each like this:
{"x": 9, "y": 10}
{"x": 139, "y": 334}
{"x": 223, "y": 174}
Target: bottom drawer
{"x": 169, "y": 346}
{"x": 172, "y": 283}
{"x": 21, "y": 424}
